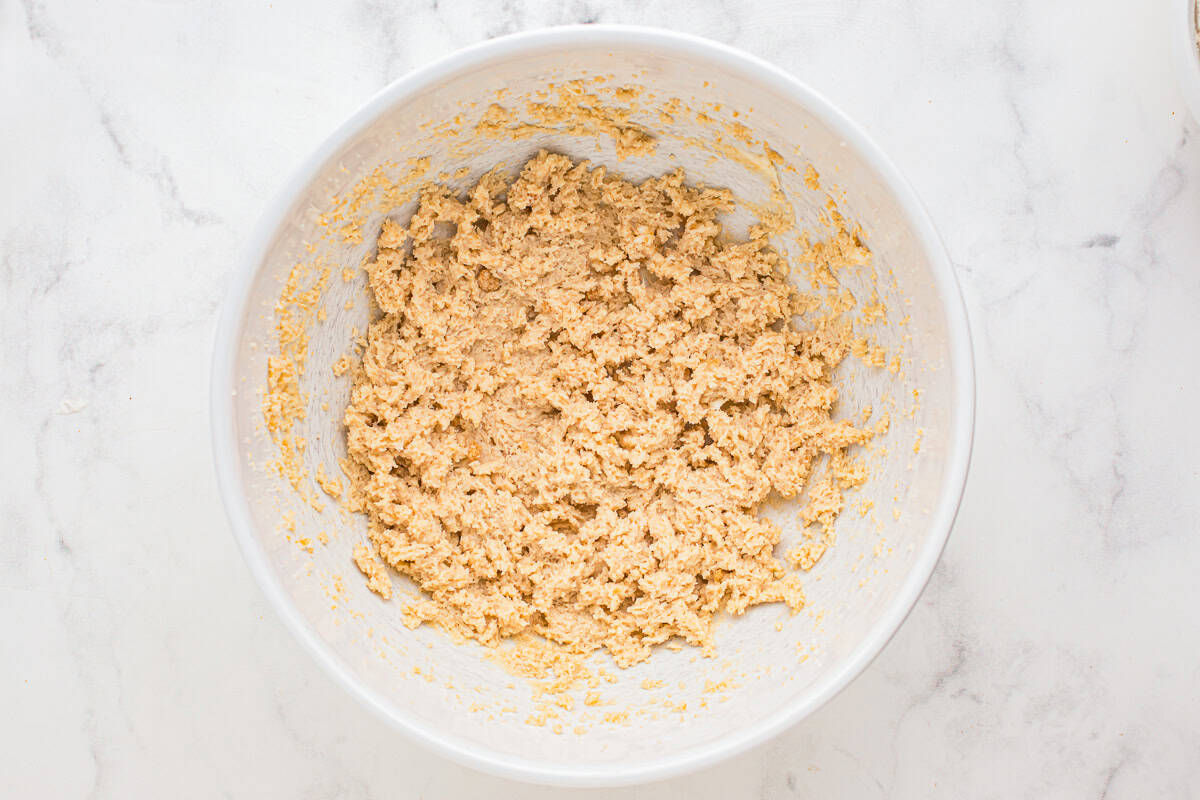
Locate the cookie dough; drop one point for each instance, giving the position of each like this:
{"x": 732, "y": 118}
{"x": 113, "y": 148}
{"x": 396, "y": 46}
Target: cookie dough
{"x": 577, "y": 397}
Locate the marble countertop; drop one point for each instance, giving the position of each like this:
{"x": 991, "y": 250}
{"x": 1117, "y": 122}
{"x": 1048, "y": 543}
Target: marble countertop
{"x": 1056, "y": 652}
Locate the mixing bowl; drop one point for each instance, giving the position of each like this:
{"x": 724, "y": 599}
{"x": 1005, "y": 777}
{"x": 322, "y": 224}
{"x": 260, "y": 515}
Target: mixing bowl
{"x": 728, "y": 119}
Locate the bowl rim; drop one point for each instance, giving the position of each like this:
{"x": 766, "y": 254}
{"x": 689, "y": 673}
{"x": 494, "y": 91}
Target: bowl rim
{"x": 226, "y": 449}
{"x": 1185, "y": 53}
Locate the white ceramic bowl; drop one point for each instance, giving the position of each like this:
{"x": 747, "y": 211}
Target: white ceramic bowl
{"x": 777, "y": 668}
{"x": 1185, "y": 53}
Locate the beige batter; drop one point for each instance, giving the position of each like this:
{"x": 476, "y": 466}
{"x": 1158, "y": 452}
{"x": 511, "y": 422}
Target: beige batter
{"x": 577, "y": 398}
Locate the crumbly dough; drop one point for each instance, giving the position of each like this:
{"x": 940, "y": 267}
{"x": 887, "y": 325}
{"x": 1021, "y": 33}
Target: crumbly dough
{"x": 376, "y": 573}
{"x": 577, "y": 397}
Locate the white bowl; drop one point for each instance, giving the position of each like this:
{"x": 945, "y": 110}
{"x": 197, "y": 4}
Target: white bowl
{"x": 1185, "y": 52}
{"x": 777, "y": 668}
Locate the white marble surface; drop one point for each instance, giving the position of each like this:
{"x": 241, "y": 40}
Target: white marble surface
{"x": 1056, "y": 652}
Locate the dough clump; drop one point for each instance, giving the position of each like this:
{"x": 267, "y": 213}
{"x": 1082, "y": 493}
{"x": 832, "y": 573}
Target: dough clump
{"x": 576, "y": 399}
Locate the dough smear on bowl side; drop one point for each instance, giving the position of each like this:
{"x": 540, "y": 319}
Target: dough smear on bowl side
{"x": 576, "y": 400}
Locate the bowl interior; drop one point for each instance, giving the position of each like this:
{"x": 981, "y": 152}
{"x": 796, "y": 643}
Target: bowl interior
{"x": 770, "y": 666}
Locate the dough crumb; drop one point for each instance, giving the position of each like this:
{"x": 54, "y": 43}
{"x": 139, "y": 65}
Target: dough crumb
{"x": 331, "y": 486}
{"x": 812, "y": 179}
{"x": 377, "y": 577}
